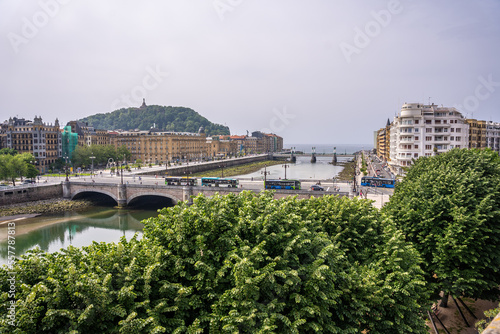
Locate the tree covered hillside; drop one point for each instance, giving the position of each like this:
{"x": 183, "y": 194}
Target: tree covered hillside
{"x": 178, "y": 119}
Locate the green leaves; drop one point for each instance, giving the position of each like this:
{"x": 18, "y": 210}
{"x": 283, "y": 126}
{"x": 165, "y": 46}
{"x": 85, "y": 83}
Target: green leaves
{"x": 238, "y": 263}
{"x": 290, "y": 265}
{"x": 449, "y": 207}
{"x": 17, "y": 165}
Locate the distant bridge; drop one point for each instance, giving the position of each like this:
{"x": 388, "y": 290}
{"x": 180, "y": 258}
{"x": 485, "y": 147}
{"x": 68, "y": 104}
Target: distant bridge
{"x": 339, "y": 155}
{"x": 124, "y": 194}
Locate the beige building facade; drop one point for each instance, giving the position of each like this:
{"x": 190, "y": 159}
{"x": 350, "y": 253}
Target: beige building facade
{"x": 42, "y": 140}
{"x": 157, "y": 147}
{"x": 477, "y": 133}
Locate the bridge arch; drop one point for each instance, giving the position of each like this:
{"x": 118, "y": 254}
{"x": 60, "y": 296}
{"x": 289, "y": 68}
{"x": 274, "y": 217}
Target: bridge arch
{"x": 79, "y": 193}
{"x": 174, "y": 199}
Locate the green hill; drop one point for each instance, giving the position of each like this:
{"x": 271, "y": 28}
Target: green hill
{"x": 177, "y": 119}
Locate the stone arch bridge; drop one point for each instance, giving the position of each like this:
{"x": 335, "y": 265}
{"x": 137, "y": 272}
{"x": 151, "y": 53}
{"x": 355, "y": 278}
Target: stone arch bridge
{"x": 123, "y": 194}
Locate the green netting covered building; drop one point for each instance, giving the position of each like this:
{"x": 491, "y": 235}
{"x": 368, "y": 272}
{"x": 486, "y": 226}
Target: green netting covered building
{"x": 69, "y": 142}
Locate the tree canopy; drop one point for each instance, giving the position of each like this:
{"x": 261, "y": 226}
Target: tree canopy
{"x": 81, "y": 155}
{"x": 449, "y": 207}
{"x": 178, "y": 119}
{"x": 7, "y": 150}
{"x": 236, "y": 263}
{"x": 17, "y": 165}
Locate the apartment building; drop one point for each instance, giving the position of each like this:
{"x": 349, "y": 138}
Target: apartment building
{"x": 477, "y": 133}
{"x": 159, "y": 146}
{"x": 43, "y": 140}
{"x": 88, "y": 135}
{"x": 426, "y": 130}
{"x": 268, "y": 142}
{"x": 493, "y": 136}
{"x": 220, "y": 147}
{"x": 382, "y": 142}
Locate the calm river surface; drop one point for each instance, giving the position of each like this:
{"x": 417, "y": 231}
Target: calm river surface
{"x": 53, "y": 232}
{"x": 303, "y": 169}
{"x": 107, "y": 224}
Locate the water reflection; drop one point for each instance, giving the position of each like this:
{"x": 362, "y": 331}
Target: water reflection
{"x": 53, "y": 232}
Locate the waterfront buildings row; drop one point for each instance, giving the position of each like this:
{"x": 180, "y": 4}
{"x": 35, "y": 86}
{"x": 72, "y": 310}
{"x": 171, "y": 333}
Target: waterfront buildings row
{"x": 425, "y": 130}
{"x": 49, "y": 142}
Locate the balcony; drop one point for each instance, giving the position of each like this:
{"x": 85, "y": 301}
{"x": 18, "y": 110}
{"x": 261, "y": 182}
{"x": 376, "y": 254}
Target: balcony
{"x": 406, "y": 140}
{"x": 441, "y": 140}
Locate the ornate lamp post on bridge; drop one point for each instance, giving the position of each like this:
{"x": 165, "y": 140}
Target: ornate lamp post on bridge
{"x": 66, "y": 166}
{"x": 92, "y": 157}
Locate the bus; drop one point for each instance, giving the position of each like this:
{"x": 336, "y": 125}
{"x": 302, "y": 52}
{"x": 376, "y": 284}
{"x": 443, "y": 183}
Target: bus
{"x": 370, "y": 181}
{"x": 180, "y": 181}
{"x": 282, "y": 184}
{"x": 217, "y": 182}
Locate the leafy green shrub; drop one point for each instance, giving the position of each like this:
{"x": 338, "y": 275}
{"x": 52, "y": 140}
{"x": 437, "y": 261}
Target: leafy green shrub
{"x": 237, "y": 263}
{"x": 449, "y": 207}
{"x": 254, "y": 264}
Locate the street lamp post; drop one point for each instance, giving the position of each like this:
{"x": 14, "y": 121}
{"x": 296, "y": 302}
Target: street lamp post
{"x": 92, "y": 157}
{"x": 121, "y": 174}
{"x": 265, "y": 172}
{"x": 66, "y": 166}
{"x": 285, "y": 166}
{"x": 166, "y": 164}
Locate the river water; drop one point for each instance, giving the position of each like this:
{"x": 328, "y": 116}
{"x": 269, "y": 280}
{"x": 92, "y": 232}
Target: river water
{"x": 107, "y": 224}
{"x": 53, "y": 232}
{"x": 302, "y": 169}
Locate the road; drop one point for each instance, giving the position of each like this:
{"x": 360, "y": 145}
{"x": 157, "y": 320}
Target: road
{"x": 133, "y": 177}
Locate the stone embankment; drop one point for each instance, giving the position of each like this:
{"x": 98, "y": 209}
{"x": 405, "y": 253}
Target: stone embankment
{"x": 45, "y": 206}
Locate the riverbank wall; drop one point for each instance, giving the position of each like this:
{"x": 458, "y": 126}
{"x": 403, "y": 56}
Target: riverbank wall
{"x": 187, "y": 169}
{"x": 29, "y": 193}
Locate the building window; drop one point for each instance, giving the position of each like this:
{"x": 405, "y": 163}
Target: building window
{"x": 428, "y": 138}
{"x": 416, "y": 137}
{"x": 416, "y": 146}
{"x": 416, "y": 121}
{"x": 428, "y": 147}
{"x": 428, "y": 130}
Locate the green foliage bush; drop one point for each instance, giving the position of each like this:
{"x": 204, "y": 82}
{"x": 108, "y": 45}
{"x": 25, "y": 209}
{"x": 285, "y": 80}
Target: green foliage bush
{"x": 449, "y": 207}
{"x": 237, "y": 263}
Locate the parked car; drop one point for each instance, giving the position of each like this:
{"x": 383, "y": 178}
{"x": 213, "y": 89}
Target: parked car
{"x": 316, "y": 187}
{"x": 29, "y": 181}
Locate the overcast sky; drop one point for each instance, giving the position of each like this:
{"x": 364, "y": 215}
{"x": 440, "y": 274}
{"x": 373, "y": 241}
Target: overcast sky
{"x": 317, "y": 71}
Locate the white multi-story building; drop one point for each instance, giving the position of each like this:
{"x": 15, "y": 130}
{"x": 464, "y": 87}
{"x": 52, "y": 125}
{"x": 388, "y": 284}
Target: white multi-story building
{"x": 426, "y": 130}
{"x": 493, "y": 136}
